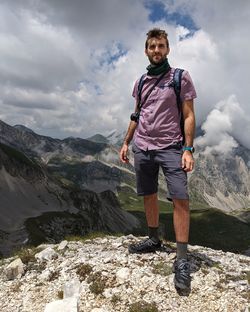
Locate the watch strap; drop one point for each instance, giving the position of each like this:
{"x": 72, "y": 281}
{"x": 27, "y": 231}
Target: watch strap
{"x": 188, "y": 148}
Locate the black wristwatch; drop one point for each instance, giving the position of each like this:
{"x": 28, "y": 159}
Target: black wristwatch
{"x": 189, "y": 148}
{"x": 135, "y": 116}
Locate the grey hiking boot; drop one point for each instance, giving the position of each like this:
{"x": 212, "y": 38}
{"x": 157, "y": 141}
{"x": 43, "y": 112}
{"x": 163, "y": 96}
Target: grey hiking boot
{"x": 147, "y": 245}
{"x": 182, "y": 278}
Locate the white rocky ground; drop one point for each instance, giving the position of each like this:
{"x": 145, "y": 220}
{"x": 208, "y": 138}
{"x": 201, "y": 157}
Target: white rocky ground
{"x": 99, "y": 275}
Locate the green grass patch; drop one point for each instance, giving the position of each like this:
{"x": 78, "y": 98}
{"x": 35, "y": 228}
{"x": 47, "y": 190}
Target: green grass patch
{"x": 97, "y": 287}
{"x": 248, "y": 277}
{"x": 97, "y": 283}
{"x": 115, "y": 299}
{"x": 60, "y": 294}
{"x": 209, "y": 227}
{"x": 89, "y": 236}
{"x": 27, "y": 254}
{"x": 162, "y": 268}
{"x": 143, "y": 306}
{"x": 83, "y": 270}
{"x": 212, "y": 228}
{"x": 54, "y": 226}
{"x": 131, "y": 202}
{"x": 68, "y": 184}
{"x": 18, "y": 156}
{"x": 198, "y": 206}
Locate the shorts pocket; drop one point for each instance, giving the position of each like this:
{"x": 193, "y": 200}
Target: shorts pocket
{"x": 135, "y": 149}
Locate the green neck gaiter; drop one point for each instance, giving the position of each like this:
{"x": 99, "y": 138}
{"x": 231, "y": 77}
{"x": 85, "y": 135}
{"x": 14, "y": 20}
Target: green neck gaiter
{"x": 154, "y": 70}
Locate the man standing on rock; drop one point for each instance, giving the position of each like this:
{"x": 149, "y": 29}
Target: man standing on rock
{"x": 162, "y": 140}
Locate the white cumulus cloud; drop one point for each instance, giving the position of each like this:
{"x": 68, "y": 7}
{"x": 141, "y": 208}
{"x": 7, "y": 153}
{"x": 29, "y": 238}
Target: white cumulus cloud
{"x": 222, "y": 128}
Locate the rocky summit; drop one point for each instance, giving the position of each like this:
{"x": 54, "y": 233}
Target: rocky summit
{"x": 99, "y": 275}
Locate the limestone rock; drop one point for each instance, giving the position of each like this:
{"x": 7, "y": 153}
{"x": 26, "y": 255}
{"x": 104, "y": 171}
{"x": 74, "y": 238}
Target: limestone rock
{"x": 46, "y": 254}
{"x": 62, "y": 245}
{"x": 122, "y": 275}
{"x": 65, "y": 305}
{"x": 72, "y": 288}
{"x": 15, "y": 269}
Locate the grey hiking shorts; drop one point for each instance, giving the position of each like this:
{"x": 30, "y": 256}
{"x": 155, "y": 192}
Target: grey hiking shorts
{"x": 147, "y": 164}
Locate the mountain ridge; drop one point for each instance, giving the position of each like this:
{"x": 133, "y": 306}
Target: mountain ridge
{"x": 218, "y": 180}
{"x": 49, "y": 175}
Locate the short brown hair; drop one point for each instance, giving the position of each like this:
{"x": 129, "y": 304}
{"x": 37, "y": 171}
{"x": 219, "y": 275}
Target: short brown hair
{"x": 156, "y": 33}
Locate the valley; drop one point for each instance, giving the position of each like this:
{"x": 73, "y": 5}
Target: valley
{"x": 51, "y": 188}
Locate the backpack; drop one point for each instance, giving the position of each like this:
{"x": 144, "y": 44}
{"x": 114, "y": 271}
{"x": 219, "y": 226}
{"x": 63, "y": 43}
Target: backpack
{"x": 176, "y": 84}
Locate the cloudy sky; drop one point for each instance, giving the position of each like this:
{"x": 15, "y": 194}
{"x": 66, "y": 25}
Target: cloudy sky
{"x": 67, "y": 67}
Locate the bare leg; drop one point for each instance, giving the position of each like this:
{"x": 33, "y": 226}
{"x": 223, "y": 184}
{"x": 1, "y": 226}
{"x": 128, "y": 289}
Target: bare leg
{"x": 152, "y": 210}
{"x": 181, "y": 220}
{"x": 152, "y": 215}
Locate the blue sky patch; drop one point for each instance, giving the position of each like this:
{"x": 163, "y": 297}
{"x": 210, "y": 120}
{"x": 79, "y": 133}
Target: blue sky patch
{"x": 112, "y": 53}
{"x": 121, "y": 51}
{"x": 157, "y": 12}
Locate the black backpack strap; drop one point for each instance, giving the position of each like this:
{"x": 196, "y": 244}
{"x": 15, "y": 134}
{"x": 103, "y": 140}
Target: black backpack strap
{"x": 140, "y": 85}
{"x": 177, "y": 89}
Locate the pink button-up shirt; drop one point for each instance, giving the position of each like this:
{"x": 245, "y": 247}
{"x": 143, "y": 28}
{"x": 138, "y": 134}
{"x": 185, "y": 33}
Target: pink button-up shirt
{"x": 159, "y": 123}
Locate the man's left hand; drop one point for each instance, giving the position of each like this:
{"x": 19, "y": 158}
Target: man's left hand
{"x": 187, "y": 161}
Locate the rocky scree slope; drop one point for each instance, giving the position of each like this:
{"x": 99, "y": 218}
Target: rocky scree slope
{"x": 223, "y": 181}
{"x": 99, "y": 275}
{"x": 35, "y": 207}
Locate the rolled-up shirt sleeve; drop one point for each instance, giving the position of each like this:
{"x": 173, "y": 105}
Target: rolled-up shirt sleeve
{"x": 135, "y": 90}
{"x": 187, "y": 87}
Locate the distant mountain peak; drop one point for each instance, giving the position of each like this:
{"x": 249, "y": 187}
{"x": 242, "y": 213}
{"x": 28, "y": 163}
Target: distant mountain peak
{"x": 98, "y": 138}
{"x": 115, "y": 137}
{"x": 113, "y": 132}
{"x": 23, "y": 128}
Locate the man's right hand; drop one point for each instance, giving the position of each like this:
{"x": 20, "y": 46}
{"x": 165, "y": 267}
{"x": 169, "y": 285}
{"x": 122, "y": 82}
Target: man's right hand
{"x": 124, "y": 153}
